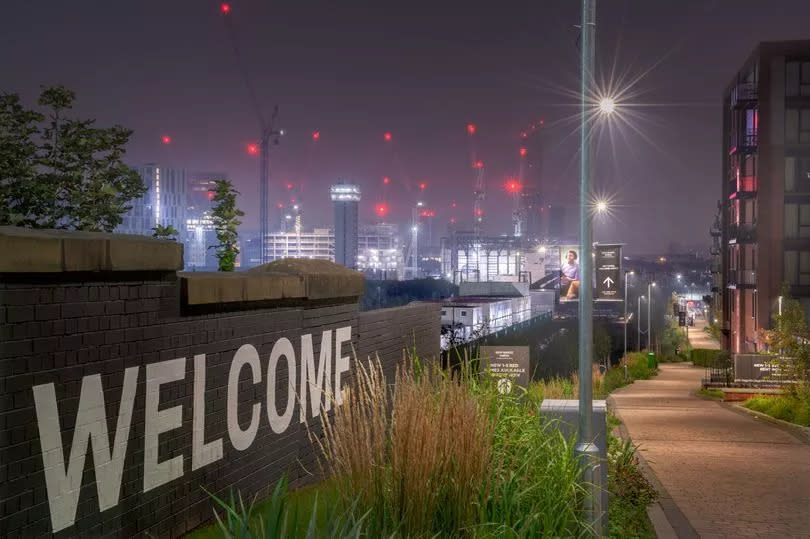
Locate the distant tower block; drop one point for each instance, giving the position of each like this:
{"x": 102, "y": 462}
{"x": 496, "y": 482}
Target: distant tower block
{"x": 346, "y": 198}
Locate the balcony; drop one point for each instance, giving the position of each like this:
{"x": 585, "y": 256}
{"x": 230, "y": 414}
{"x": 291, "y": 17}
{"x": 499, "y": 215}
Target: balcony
{"x": 743, "y": 187}
{"x": 742, "y": 233}
{"x": 744, "y": 95}
{"x": 743, "y": 141}
{"x": 739, "y": 279}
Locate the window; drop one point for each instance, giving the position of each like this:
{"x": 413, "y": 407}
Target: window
{"x": 797, "y": 220}
{"x": 463, "y": 313}
{"x": 804, "y": 268}
{"x": 797, "y": 174}
{"x": 797, "y": 268}
{"x": 791, "y": 126}
{"x": 797, "y": 126}
{"x": 791, "y": 267}
{"x": 444, "y": 313}
{"x": 797, "y": 79}
{"x": 790, "y": 174}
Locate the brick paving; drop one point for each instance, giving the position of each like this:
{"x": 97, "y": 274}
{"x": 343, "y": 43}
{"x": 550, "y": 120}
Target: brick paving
{"x": 731, "y": 475}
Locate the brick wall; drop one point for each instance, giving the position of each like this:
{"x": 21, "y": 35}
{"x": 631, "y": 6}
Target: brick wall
{"x": 63, "y": 329}
{"x": 391, "y": 333}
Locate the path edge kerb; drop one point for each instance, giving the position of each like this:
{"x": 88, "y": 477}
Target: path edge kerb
{"x": 802, "y": 434}
{"x": 676, "y": 518}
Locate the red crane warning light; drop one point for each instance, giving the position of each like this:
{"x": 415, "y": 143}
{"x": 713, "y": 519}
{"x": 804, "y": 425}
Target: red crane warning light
{"x": 225, "y": 8}
{"x": 422, "y": 186}
{"x": 166, "y": 139}
{"x": 253, "y": 149}
{"x": 381, "y": 209}
{"x": 524, "y": 152}
{"x": 478, "y": 164}
{"x": 513, "y": 186}
{"x": 387, "y": 136}
{"x": 386, "y": 180}
{"x": 289, "y": 186}
{"x": 316, "y": 135}
{"x": 471, "y": 129}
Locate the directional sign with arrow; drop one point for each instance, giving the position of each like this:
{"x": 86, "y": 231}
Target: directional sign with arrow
{"x": 608, "y": 272}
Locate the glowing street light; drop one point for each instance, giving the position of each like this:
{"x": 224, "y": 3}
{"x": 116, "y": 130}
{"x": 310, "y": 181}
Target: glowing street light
{"x": 601, "y": 206}
{"x": 607, "y": 105}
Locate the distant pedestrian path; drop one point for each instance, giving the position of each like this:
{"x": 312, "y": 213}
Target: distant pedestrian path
{"x": 728, "y": 474}
{"x": 698, "y": 337}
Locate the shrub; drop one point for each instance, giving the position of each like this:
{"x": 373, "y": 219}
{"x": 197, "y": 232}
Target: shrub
{"x": 277, "y": 517}
{"x": 703, "y": 357}
{"x": 793, "y": 406}
{"x": 630, "y": 492}
{"x": 445, "y": 456}
{"x": 602, "y": 384}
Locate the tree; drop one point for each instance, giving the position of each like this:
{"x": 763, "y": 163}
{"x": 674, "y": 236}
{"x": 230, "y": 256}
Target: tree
{"x": 225, "y": 216}
{"x": 18, "y": 160}
{"x": 790, "y": 336}
{"x": 164, "y": 232}
{"x": 63, "y": 173}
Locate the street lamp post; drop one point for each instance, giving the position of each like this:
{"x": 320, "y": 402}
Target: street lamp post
{"x": 626, "y": 275}
{"x": 649, "y": 308}
{"x": 586, "y": 449}
{"x": 638, "y": 324}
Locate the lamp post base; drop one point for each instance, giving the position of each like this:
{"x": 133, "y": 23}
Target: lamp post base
{"x": 590, "y": 459}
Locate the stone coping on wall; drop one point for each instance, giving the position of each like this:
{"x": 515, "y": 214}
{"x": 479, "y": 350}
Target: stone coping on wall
{"x": 26, "y": 250}
{"x": 280, "y": 280}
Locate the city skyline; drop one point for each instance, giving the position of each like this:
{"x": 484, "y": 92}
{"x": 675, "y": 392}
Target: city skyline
{"x": 422, "y": 74}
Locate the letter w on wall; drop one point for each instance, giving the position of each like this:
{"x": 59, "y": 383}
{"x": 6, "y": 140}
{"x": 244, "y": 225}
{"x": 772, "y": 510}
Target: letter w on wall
{"x": 64, "y": 483}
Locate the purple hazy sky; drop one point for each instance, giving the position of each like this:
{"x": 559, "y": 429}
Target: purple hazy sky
{"x": 422, "y": 71}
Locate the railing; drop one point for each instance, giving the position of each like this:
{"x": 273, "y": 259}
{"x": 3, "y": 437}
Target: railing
{"x": 743, "y": 185}
{"x": 742, "y": 232}
{"x": 744, "y": 140}
{"x": 744, "y": 93}
{"x": 738, "y": 278}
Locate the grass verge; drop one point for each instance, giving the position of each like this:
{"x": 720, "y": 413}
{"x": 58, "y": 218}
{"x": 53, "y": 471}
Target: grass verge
{"x": 630, "y": 492}
{"x": 793, "y": 407}
{"x": 603, "y": 384}
{"x": 709, "y": 393}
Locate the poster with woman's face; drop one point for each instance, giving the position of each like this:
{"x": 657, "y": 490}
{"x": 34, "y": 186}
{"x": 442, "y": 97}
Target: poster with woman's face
{"x": 569, "y": 273}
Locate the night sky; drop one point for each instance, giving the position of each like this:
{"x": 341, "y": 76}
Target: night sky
{"x": 422, "y": 71}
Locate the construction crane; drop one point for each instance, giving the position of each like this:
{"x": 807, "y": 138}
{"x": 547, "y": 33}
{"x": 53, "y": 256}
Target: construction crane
{"x": 269, "y": 133}
{"x": 478, "y": 185}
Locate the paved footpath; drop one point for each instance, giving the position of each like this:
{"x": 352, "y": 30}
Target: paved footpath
{"x": 728, "y": 473}
{"x": 698, "y": 337}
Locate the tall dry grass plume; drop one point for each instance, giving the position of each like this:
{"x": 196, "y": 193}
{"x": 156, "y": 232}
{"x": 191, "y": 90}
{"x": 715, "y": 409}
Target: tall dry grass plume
{"x": 419, "y": 464}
